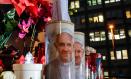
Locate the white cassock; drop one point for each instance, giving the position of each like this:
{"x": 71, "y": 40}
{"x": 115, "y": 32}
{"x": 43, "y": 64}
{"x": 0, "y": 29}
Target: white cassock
{"x": 60, "y": 10}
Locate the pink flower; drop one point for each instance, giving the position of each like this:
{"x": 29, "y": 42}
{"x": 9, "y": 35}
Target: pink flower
{"x": 24, "y": 27}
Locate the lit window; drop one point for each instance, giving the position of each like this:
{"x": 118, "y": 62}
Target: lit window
{"x": 104, "y": 57}
{"x": 77, "y": 4}
{"x": 97, "y": 36}
{"x": 106, "y": 73}
{"x": 70, "y": 12}
{"x": 124, "y": 53}
{"x": 93, "y": 2}
{"x": 117, "y": 0}
{"x": 99, "y": 1}
{"x": 128, "y": 14}
{"x": 89, "y": 2}
{"x": 90, "y": 20}
{"x": 91, "y": 36}
{"x": 116, "y": 35}
{"x": 72, "y": 6}
{"x": 122, "y": 34}
{"x": 96, "y": 19}
{"x": 112, "y": 0}
{"x": 118, "y": 55}
{"x": 110, "y": 35}
{"x": 103, "y": 37}
{"x": 112, "y": 55}
{"x": 107, "y": 1}
{"x": 101, "y": 19}
{"x": 75, "y": 10}
{"x": 83, "y": 20}
{"x": 129, "y": 32}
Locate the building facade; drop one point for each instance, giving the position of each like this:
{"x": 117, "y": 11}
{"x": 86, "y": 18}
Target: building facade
{"x": 106, "y": 24}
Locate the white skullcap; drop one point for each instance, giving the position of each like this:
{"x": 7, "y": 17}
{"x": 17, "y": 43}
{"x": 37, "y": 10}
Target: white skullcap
{"x": 80, "y": 37}
{"x": 89, "y": 50}
{"x": 66, "y": 29}
{"x": 57, "y": 27}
